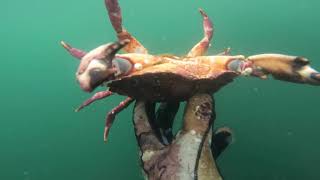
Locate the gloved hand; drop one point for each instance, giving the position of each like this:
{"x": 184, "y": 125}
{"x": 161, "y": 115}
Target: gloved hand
{"x": 190, "y": 154}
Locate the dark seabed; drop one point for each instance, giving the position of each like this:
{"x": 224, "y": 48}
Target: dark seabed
{"x": 276, "y": 124}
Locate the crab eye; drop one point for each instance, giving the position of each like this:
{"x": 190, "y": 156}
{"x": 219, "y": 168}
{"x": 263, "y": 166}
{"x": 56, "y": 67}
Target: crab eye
{"x": 122, "y": 66}
{"x": 235, "y": 65}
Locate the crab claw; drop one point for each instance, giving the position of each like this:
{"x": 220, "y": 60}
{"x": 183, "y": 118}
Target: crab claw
{"x": 283, "y": 67}
{"x": 96, "y": 66}
{"x": 315, "y": 76}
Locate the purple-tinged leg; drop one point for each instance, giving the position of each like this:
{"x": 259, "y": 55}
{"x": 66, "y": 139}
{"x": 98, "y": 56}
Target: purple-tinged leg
{"x": 95, "y": 97}
{"x": 77, "y": 53}
{"x": 201, "y": 48}
{"x": 115, "y": 16}
{"x": 207, "y": 25}
{"x": 114, "y": 12}
{"x": 111, "y": 115}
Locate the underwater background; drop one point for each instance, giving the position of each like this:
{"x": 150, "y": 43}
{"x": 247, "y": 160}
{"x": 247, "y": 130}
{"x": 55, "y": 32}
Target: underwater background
{"x": 275, "y": 124}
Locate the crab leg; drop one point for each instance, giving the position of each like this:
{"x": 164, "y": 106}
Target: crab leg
{"x": 202, "y": 47}
{"x": 111, "y": 115}
{"x": 95, "y": 97}
{"x": 77, "y": 53}
{"x": 115, "y": 17}
{"x": 226, "y": 52}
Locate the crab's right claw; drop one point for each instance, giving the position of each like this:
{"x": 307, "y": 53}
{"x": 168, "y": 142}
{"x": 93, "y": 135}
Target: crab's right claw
{"x": 96, "y": 66}
{"x": 316, "y": 76}
{"x": 283, "y": 67}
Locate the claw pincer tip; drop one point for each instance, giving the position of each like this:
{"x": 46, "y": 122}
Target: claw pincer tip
{"x": 315, "y": 76}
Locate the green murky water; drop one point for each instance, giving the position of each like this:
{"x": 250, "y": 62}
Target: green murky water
{"x": 41, "y": 137}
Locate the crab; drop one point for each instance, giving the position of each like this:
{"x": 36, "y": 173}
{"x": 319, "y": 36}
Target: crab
{"x": 169, "y": 78}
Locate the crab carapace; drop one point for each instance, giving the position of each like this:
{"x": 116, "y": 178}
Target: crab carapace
{"x": 162, "y": 78}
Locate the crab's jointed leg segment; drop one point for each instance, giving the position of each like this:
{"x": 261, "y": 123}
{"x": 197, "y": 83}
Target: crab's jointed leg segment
{"x": 115, "y": 17}
{"x": 95, "y": 97}
{"x": 115, "y": 47}
{"x": 77, "y": 53}
{"x": 114, "y": 13}
{"x": 226, "y": 52}
{"x": 111, "y": 115}
{"x": 201, "y": 48}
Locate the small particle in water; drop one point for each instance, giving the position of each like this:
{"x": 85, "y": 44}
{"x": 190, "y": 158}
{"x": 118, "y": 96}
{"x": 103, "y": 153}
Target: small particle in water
{"x": 289, "y": 133}
{"x": 26, "y": 175}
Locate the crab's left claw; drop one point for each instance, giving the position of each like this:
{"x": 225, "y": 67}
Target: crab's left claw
{"x": 96, "y": 66}
{"x": 283, "y": 67}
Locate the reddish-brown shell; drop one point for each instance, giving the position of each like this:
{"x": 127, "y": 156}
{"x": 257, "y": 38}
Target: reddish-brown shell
{"x": 171, "y": 82}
